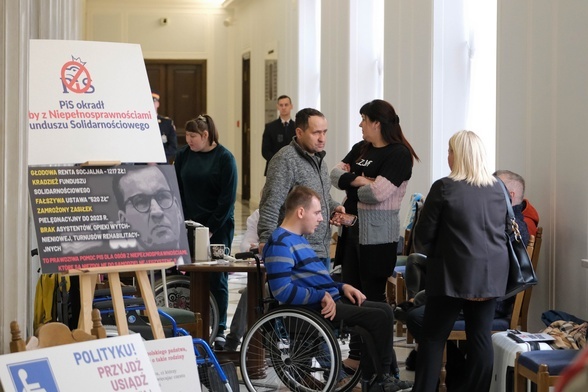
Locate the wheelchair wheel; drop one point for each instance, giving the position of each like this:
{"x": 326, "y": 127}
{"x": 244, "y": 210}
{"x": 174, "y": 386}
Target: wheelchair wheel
{"x": 214, "y": 319}
{"x": 178, "y": 296}
{"x": 178, "y": 292}
{"x": 290, "y": 349}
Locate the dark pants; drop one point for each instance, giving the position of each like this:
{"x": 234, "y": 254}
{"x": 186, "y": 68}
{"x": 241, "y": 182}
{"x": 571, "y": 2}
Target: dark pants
{"x": 377, "y": 319}
{"x": 219, "y": 287}
{"x": 376, "y": 265}
{"x": 415, "y": 274}
{"x": 366, "y": 267}
{"x": 440, "y": 315}
{"x": 348, "y": 256}
{"x": 219, "y": 281}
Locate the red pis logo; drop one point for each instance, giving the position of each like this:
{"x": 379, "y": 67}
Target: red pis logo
{"x": 75, "y": 77}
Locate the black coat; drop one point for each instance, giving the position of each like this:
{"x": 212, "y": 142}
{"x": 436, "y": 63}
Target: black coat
{"x": 461, "y": 229}
{"x": 167, "y": 128}
{"x": 276, "y": 136}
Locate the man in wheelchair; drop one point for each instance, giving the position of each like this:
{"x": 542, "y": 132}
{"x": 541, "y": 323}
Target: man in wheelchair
{"x": 297, "y": 277}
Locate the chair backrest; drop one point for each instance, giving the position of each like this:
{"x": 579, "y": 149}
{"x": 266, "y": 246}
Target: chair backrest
{"x": 56, "y": 334}
{"x": 520, "y": 309}
{"x": 537, "y": 247}
{"x": 408, "y": 240}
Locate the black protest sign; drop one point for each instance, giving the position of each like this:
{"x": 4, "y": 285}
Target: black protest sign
{"x": 107, "y": 216}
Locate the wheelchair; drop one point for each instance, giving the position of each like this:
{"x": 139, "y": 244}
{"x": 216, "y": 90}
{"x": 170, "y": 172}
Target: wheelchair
{"x": 178, "y": 296}
{"x": 213, "y": 375}
{"x": 295, "y": 348}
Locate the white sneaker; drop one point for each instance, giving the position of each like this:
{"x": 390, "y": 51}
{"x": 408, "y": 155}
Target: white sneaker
{"x": 219, "y": 343}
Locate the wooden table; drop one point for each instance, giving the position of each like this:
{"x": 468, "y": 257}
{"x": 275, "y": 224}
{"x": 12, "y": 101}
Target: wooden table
{"x": 200, "y": 291}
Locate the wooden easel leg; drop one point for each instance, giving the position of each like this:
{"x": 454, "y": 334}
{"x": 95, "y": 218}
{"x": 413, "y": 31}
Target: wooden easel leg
{"x": 87, "y": 287}
{"x": 150, "y": 306}
{"x": 118, "y": 303}
{"x": 88, "y": 278}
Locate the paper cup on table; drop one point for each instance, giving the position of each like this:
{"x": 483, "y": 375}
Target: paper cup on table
{"x": 201, "y": 241}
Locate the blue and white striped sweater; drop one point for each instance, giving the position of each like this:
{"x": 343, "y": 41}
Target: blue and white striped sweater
{"x": 296, "y": 275}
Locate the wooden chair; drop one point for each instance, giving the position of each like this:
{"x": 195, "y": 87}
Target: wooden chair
{"x": 395, "y": 288}
{"x": 541, "y": 367}
{"x": 518, "y": 316}
{"x": 396, "y": 285}
{"x": 533, "y": 249}
{"x": 56, "y": 334}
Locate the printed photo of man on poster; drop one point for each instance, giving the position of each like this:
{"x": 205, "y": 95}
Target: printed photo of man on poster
{"x": 145, "y": 201}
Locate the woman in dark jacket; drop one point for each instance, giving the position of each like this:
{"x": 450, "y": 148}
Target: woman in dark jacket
{"x": 207, "y": 178}
{"x": 461, "y": 230}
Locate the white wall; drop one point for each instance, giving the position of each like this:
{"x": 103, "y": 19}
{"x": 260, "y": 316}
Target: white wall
{"x": 542, "y": 91}
{"x": 351, "y": 70}
{"x": 261, "y": 27}
{"x": 193, "y": 31}
{"x": 21, "y": 21}
{"x": 542, "y": 94}
{"x": 408, "y": 82}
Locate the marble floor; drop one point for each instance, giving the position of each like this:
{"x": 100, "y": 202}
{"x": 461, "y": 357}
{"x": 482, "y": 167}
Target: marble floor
{"x": 237, "y": 281}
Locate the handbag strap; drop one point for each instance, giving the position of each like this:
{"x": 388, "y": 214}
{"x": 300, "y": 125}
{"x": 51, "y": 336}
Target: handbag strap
{"x": 510, "y": 217}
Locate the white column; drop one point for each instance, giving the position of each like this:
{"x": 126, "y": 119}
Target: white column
{"x": 309, "y": 54}
{"x": 19, "y": 22}
{"x": 351, "y": 69}
{"x": 14, "y": 300}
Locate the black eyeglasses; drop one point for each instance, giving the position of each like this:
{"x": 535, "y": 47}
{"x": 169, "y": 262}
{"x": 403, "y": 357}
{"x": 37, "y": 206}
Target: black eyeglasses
{"x": 142, "y": 202}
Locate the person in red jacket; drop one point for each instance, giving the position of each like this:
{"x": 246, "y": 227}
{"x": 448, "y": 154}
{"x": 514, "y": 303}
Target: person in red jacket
{"x": 531, "y": 217}
{"x": 516, "y": 187}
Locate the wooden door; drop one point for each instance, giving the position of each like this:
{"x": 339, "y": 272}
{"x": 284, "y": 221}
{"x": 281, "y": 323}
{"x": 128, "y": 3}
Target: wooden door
{"x": 182, "y": 86}
{"x": 246, "y": 131}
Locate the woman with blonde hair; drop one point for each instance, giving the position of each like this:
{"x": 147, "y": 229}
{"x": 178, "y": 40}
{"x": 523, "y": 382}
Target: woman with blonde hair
{"x": 461, "y": 231}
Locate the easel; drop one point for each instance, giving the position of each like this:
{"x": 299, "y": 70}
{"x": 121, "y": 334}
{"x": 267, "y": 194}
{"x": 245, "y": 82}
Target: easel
{"x": 88, "y": 279}
{"x": 107, "y": 149}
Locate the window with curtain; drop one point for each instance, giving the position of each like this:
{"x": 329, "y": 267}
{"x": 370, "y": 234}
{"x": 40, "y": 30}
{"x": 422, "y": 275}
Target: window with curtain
{"x": 481, "y": 28}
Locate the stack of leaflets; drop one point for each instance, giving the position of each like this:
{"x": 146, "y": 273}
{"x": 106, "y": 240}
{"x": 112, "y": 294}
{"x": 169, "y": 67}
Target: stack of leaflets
{"x": 525, "y": 337}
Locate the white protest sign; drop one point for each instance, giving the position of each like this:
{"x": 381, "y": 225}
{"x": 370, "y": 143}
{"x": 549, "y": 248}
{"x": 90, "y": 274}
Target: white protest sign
{"x": 90, "y": 101}
{"x": 174, "y": 363}
{"x": 113, "y": 364}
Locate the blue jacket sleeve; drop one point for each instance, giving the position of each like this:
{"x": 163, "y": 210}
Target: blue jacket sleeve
{"x": 279, "y": 264}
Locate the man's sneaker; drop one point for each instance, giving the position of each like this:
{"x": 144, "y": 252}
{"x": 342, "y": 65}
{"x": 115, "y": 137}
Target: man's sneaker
{"x": 381, "y": 386}
{"x": 232, "y": 343}
{"x": 405, "y": 386}
{"x": 402, "y": 386}
{"x": 219, "y": 342}
{"x": 411, "y": 360}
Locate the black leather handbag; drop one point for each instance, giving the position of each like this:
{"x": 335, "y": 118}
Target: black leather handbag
{"x": 521, "y": 274}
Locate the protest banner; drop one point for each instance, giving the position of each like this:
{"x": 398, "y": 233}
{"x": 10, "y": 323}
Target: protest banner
{"x": 107, "y": 216}
{"x": 113, "y": 364}
{"x": 174, "y": 363}
{"x": 90, "y": 101}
